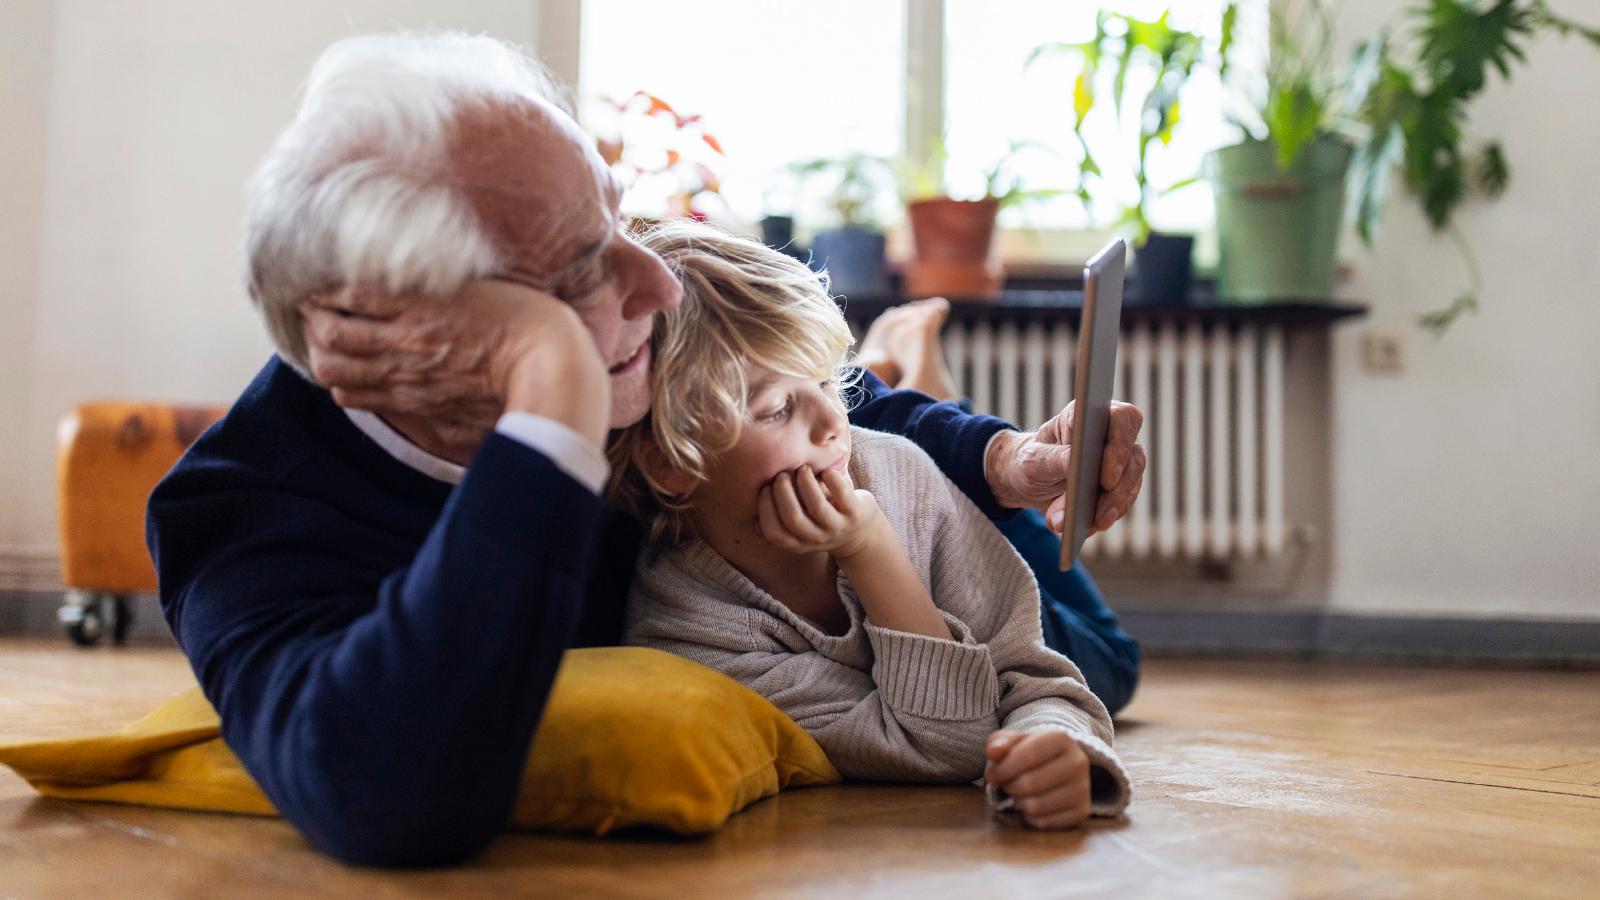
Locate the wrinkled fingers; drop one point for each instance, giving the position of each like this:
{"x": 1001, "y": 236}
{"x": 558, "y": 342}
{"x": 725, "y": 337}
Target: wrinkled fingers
{"x": 348, "y": 335}
{"x": 1118, "y": 501}
{"x": 1122, "y": 438}
{"x": 364, "y": 300}
{"x": 351, "y": 373}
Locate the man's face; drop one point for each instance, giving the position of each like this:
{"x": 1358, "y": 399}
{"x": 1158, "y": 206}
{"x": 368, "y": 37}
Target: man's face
{"x": 536, "y": 179}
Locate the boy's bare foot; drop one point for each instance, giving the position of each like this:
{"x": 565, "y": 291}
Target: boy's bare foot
{"x": 902, "y": 347}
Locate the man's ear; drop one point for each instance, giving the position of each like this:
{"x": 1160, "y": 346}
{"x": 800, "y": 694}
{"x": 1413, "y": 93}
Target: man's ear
{"x": 674, "y": 481}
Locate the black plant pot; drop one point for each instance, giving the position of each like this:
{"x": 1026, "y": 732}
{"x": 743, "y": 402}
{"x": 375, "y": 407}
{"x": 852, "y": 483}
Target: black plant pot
{"x": 853, "y": 258}
{"x": 1163, "y": 268}
{"x": 777, "y": 232}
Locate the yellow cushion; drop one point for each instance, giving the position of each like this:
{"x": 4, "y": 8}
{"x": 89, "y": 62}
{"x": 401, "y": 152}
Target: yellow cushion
{"x": 630, "y": 736}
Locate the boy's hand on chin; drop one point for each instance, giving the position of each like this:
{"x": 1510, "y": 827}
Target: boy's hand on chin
{"x": 803, "y": 513}
{"x": 1045, "y": 772}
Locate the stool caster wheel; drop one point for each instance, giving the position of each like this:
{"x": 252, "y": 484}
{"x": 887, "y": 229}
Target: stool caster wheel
{"x": 89, "y": 617}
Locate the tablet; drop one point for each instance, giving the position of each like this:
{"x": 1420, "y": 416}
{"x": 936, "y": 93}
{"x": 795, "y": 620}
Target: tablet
{"x": 1096, "y": 372}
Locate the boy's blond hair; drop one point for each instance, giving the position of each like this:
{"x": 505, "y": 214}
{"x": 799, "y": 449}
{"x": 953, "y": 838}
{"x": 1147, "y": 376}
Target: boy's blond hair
{"x": 744, "y": 305}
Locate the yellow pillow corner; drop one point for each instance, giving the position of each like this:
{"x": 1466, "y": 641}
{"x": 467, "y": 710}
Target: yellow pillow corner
{"x": 630, "y": 736}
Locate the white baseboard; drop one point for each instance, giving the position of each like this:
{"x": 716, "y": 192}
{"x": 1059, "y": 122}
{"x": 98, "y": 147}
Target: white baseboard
{"x": 30, "y": 567}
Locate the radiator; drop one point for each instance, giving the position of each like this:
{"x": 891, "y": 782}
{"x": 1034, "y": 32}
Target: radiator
{"x": 1213, "y": 398}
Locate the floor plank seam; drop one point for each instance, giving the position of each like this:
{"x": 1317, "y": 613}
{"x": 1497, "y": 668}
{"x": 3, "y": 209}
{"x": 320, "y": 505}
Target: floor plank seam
{"x": 1504, "y": 787}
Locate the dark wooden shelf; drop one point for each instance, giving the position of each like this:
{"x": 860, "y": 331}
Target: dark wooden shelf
{"x": 1026, "y": 306}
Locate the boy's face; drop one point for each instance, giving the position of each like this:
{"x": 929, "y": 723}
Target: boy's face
{"x": 793, "y": 422}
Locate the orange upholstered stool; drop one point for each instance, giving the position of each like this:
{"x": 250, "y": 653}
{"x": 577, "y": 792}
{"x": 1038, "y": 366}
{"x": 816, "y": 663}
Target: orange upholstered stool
{"x": 109, "y": 456}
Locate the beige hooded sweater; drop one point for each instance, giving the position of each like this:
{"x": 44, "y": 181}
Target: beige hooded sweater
{"x": 887, "y": 705}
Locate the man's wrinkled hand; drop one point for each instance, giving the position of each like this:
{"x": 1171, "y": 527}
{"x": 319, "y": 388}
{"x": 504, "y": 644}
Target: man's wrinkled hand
{"x": 1029, "y": 470}
{"x": 451, "y": 366}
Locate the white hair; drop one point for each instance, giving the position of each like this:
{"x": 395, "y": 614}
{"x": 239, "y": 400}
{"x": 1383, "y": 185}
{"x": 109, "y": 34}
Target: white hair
{"x": 357, "y": 190}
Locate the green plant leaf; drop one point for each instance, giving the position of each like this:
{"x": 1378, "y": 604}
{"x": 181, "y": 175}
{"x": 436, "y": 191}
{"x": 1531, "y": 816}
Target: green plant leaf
{"x": 1230, "y": 20}
{"x": 1371, "y": 170}
{"x": 1440, "y": 320}
{"x": 1170, "y": 114}
{"x": 1460, "y": 39}
{"x": 1364, "y": 71}
{"x": 1054, "y": 48}
{"x": 1433, "y": 165}
{"x": 1564, "y": 27}
{"x": 1181, "y": 184}
{"x": 1124, "y": 59}
{"x": 1018, "y": 196}
{"x": 1123, "y": 44}
{"x": 1493, "y": 171}
{"x": 1133, "y": 219}
{"x": 1391, "y": 99}
{"x": 1301, "y": 100}
{"x": 1294, "y": 117}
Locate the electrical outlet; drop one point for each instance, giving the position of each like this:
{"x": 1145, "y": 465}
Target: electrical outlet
{"x": 1383, "y": 353}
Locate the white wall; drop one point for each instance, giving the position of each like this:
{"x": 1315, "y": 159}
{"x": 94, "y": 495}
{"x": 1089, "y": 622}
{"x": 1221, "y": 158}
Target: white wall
{"x": 25, "y": 30}
{"x": 129, "y": 130}
{"x": 1470, "y": 484}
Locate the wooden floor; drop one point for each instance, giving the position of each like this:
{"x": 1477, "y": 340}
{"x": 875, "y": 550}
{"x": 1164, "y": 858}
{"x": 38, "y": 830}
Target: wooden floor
{"x": 1251, "y": 779}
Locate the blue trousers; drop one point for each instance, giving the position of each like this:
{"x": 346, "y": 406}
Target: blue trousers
{"x": 1077, "y": 623}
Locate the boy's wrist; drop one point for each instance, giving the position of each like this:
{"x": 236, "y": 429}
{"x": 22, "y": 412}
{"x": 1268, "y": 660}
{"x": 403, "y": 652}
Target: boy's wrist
{"x": 875, "y": 536}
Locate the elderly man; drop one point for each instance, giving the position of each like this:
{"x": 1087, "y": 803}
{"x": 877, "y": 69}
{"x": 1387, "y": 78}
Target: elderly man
{"x": 375, "y": 561}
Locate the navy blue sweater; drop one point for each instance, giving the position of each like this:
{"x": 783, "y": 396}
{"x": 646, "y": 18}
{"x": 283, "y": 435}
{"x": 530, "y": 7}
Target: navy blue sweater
{"x": 380, "y": 644}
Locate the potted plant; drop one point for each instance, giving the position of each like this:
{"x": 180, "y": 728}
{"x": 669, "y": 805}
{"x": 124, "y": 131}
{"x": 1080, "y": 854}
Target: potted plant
{"x": 1162, "y": 262}
{"x": 953, "y": 241}
{"x": 665, "y": 159}
{"x": 1280, "y": 192}
{"x": 1387, "y": 111}
{"x": 851, "y": 252}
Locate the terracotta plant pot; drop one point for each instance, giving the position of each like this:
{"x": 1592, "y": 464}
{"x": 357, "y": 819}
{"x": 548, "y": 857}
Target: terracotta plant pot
{"x": 954, "y": 249}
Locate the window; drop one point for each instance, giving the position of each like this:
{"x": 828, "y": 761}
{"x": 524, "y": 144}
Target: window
{"x": 774, "y": 81}
{"x": 992, "y": 100}
{"x": 777, "y": 82}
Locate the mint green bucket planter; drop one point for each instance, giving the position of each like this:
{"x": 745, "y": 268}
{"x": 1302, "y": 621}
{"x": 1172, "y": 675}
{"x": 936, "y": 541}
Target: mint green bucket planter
{"x": 1277, "y": 231}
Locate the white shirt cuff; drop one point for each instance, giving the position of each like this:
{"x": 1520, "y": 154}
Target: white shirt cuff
{"x": 572, "y": 453}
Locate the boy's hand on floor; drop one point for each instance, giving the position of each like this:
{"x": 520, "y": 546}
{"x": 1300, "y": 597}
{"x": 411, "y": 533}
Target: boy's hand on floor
{"x": 803, "y": 513}
{"x": 1045, "y": 772}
